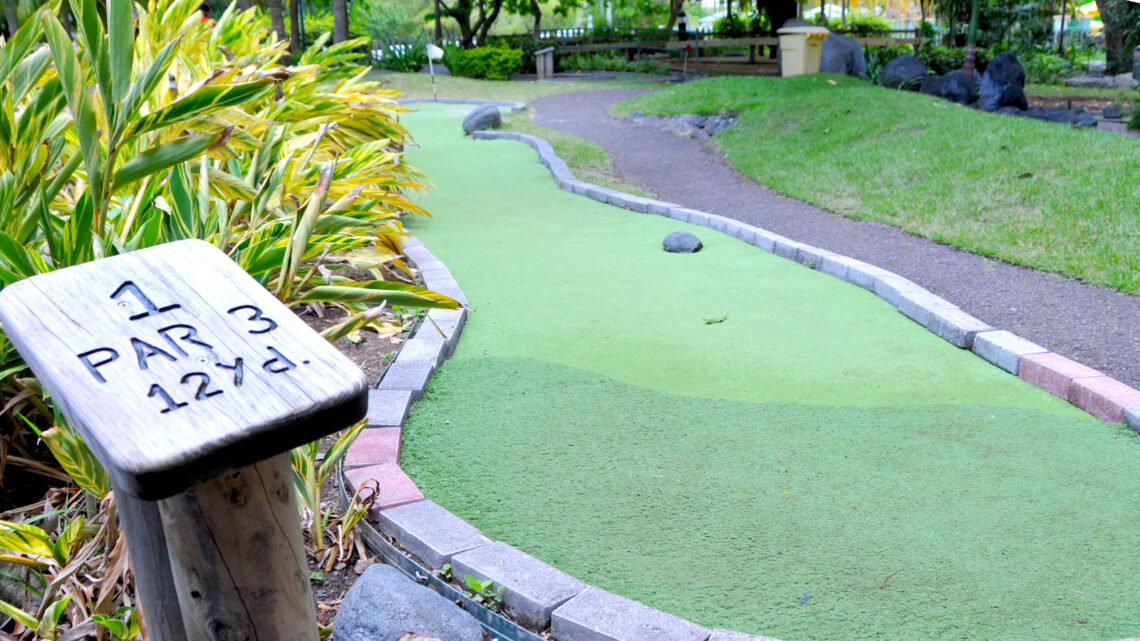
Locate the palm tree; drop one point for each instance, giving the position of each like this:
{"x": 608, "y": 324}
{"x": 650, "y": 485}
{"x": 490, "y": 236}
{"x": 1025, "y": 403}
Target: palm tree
{"x": 340, "y": 20}
{"x": 277, "y": 18}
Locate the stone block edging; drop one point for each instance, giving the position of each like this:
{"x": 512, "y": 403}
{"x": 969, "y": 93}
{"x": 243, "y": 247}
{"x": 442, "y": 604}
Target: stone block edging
{"x": 576, "y": 611}
{"x": 1110, "y": 401}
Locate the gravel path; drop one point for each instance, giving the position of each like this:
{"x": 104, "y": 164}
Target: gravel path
{"x": 1092, "y": 325}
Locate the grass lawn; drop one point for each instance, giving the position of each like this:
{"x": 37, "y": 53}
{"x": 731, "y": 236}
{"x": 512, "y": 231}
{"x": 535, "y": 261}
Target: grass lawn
{"x": 1028, "y": 192}
{"x": 1061, "y": 91}
{"x": 585, "y": 158}
{"x": 742, "y": 441}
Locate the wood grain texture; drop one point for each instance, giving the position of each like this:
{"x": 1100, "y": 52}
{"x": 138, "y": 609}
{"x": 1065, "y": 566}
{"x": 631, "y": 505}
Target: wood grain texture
{"x": 154, "y": 581}
{"x": 236, "y": 551}
{"x": 140, "y": 351}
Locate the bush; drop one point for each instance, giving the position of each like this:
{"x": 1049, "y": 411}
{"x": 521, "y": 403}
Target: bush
{"x": 1044, "y": 66}
{"x": 608, "y": 61}
{"x": 295, "y": 173}
{"x": 864, "y": 23}
{"x": 733, "y": 26}
{"x": 488, "y": 63}
{"x": 943, "y": 60}
{"x": 878, "y": 57}
{"x": 407, "y": 58}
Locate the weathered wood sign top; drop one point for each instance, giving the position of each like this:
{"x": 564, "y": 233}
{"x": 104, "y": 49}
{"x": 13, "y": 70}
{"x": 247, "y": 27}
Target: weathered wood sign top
{"x": 174, "y": 365}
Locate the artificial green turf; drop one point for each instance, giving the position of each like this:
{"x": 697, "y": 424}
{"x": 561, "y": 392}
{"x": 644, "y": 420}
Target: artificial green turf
{"x": 1034, "y": 193}
{"x": 593, "y": 418}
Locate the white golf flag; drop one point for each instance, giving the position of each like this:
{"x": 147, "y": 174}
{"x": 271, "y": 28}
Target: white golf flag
{"x": 434, "y": 52}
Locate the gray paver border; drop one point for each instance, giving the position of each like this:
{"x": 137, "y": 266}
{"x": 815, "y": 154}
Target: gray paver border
{"x": 998, "y": 347}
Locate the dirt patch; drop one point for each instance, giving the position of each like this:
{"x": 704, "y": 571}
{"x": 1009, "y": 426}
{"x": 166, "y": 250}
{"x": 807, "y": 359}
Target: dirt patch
{"x": 372, "y": 352}
{"x": 1075, "y": 102}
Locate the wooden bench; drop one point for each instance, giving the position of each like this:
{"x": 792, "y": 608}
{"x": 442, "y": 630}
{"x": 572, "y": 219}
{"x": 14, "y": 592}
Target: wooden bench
{"x": 190, "y": 383}
{"x": 544, "y": 63}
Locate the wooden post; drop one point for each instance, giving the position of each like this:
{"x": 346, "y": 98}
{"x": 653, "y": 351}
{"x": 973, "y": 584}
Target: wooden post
{"x": 190, "y": 383}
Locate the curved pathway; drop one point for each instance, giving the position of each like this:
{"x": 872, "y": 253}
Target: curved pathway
{"x": 1092, "y": 325}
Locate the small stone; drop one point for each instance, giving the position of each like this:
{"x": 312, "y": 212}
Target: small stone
{"x": 682, "y": 242}
{"x": 637, "y": 115}
{"x": 362, "y": 565}
{"x": 1113, "y": 111}
{"x": 693, "y": 120}
{"x": 384, "y": 604}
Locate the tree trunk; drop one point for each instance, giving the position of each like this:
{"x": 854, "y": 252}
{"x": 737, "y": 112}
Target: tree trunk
{"x": 277, "y": 19}
{"x": 296, "y": 43}
{"x": 486, "y": 21}
{"x": 674, "y": 10}
{"x": 340, "y": 20}
{"x": 10, "y": 16}
{"x": 536, "y": 9}
{"x": 1119, "y": 17}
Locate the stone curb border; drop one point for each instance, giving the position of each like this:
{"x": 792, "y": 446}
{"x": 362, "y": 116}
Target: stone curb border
{"x": 509, "y": 104}
{"x": 539, "y": 596}
{"x": 1088, "y": 389}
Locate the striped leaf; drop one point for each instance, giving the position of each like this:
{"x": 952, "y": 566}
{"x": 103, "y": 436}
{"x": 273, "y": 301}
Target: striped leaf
{"x": 77, "y": 460}
{"x": 121, "y": 43}
{"x": 22, "y": 538}
{"x": 338, "y": 449}
{"x": 164, "y": 156}
{"x": 204, "y": 99}
{"x": 75, "y": 89}
{"x": 25, "y": 619}
{"x": 376, "y": 292}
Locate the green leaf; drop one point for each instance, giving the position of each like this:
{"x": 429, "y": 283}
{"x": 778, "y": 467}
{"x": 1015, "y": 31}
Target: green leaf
{"x": 202, "y": 100}
{"x": 75, "y": 89}
{"x": 338, "y": 449}
{"x": 376, "y": 292}
{"x": 113, "y": 625}
{"x": 183, "y": 223}
{"x": 164, "y": 156}
{"x": 89, "y": 30}
{"x": 78, "y": 240}
{"x": 27, "y": 620}
{"x": 77, "y": 460}
{"x": 16, "y": 258}
{"x": 17, "y": 48}
{"x": 25, "y": 539}
{"x": 147, "y": 82}
{"x": 121, "y": 40}
{"x": 51, "y": 617}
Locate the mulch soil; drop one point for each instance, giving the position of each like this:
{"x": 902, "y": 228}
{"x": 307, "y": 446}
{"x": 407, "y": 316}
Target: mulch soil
{"x": 1092, "y": 325}
{"x": 369, "y": 353}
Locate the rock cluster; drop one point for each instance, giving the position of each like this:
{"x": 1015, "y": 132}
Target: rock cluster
{"x": 687, "y": 125}
{"x": 1001, "y": 89}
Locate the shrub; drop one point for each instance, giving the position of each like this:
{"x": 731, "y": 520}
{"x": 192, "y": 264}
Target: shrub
{"x": 489, "y": 63}
{"x": 193, "y": 133}
{"x": 1044, "y": 66}
{"x": 864, "y": 23}
{"x": 943, "y": 60}
{"x": 608, "y": 61}
{"x": 878, "y": 57}
{"x": 733, "y": 26}
{"x": 408, "y": 58}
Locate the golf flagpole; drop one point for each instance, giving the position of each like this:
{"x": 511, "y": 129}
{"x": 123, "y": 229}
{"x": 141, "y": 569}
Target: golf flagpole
{"x": 434, "y": 53}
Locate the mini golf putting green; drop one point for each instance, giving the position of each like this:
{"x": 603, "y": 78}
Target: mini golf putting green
{"x": 740, "y": 441}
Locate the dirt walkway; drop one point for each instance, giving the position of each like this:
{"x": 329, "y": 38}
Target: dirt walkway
{"x": 1092, "y": 325}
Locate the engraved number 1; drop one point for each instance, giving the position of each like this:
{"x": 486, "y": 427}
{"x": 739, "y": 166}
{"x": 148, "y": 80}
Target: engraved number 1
{"x": 147, "y": 303}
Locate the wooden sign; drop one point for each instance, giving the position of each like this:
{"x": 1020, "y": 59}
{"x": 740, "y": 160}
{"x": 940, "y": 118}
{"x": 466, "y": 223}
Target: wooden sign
{"x": 175, "y": 365}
